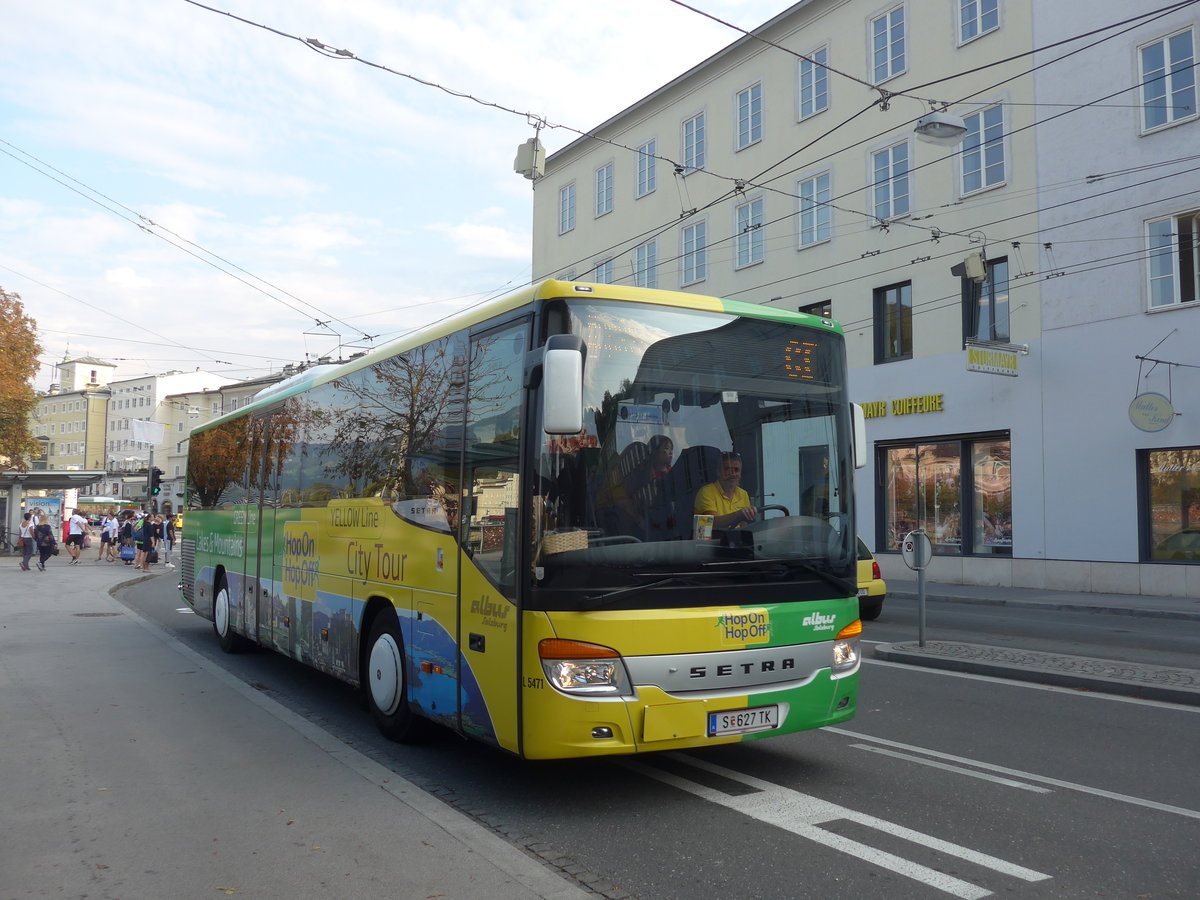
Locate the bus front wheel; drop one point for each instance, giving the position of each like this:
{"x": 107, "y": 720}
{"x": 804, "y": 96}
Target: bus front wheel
{"x": 385, "y": 683}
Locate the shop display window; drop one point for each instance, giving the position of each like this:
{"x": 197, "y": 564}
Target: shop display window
{"x": 1171, "y": 504}
{"x": 959, "y": 491}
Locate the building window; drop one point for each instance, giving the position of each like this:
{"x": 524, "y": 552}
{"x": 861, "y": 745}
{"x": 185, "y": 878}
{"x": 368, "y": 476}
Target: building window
{"x": 815, "y": 211}
{"x": 646, "y": 160}
{"x": 1169, "y": 487}
{"x": 1174, "y": 260}
{"x": 983, "y": 150}
{"x": 603, "y": 273}
{"x": 750, "y": 233}
{"x": 749, "y": 116}
{"x": 887, "y": 45}
{"x": 893, "y": 322}
{"x": 693, "y": 143}
{"x": 645, "y": 264}
{"x": 604, "y": 189}
{"x": 814, "y": 83}
{"x": 566, "y": 209}
{"x": 890, "y": 182}
{"x": 976, "y": 17}
{"x": 1168, "y": 81}
{"x": 824, "y": 309}
{"x": 985, "y": 304}
{"x": 958, "y": 491}
{"x": 695, "y": 253}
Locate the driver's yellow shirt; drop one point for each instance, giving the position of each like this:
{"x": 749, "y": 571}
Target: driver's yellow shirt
{"x": 710, "y": 499}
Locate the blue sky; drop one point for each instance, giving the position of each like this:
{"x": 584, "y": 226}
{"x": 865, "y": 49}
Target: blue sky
{"x": 379, "y": 201}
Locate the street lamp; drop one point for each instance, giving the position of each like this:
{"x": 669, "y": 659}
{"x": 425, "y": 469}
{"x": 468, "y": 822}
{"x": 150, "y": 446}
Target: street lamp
{"x": 941, "y": 128}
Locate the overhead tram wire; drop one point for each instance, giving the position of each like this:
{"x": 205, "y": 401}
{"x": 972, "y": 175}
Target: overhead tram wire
{"x": 148, "y": 226}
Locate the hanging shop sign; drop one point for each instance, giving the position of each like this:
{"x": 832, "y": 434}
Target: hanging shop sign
{"x": 1151, "y": 412}
{"x": 992, "y": 360}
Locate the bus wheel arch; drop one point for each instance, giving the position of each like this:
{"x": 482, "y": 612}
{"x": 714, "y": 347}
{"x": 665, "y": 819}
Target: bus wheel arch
{"x": 385, "y": 675}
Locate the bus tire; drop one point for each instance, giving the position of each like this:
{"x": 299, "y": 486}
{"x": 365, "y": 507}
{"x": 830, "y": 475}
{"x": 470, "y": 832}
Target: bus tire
{"x": 385, "y": 684}
{"x": 230, "y": 640}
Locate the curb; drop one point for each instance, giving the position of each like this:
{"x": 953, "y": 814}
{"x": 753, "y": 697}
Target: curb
{"x": 1163, "y": 683}
{"x": 1062, "y": 606}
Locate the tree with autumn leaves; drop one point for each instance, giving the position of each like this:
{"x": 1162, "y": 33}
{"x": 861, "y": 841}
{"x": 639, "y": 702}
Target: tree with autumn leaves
{"x": 18, "y": 367}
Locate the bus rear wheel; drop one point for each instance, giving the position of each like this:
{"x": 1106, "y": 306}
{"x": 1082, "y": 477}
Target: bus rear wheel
{"x": 230, "y": 640}
{"x": 385, "y": 685}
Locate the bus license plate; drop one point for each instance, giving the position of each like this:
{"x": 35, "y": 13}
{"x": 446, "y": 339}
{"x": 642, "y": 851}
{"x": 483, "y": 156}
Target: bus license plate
{"x": 741, "y": 721}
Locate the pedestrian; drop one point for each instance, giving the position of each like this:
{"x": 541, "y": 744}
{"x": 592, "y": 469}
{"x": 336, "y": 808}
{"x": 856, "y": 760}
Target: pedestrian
{"x": 47, "y": 546}
{"x": 168, "y": 541}
{"x": 77, "y": 530}
{"x": 27, "y": 541}
{"x": 143, "y": 541}
{"x": 127, "y": 537}
{"x": 108, "y": 537}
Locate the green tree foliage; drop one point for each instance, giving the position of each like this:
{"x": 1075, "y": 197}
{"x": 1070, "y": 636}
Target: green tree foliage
{"x": 18, "y": 366}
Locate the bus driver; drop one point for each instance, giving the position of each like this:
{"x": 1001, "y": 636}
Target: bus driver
{"x": 725, "y": 500}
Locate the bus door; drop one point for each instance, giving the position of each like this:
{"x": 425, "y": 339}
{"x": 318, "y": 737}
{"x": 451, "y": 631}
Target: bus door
{"x": 259, "y": 533}
{"x": 489, "y": 535}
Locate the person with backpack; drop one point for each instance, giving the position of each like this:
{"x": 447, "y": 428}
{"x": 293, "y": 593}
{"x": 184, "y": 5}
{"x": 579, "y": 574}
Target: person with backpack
{"x": 143, "y": 541}
{"x": 46, "y": 544}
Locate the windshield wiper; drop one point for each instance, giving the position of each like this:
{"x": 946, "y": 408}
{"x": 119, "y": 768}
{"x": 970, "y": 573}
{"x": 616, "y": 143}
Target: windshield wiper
{"x": 673, "y": 578}
{"x": 788, "y": 565}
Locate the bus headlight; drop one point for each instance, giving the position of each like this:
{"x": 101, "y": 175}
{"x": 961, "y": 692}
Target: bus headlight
{"x": 846, "y": 657}
{"x": 576, "y": 667}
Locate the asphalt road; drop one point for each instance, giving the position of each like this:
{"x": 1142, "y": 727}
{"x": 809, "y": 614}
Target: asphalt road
{"x": 944, "y": 786}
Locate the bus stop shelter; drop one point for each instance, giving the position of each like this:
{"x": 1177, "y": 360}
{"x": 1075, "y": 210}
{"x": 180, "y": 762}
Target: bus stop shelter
{"x": 14, "y": 485}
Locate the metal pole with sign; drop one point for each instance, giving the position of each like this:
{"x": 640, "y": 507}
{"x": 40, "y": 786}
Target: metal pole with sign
{"x": 916, "y": 551}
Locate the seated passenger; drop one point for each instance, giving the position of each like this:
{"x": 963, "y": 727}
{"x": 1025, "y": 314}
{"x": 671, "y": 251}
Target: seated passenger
{"x": 724, "y": 499}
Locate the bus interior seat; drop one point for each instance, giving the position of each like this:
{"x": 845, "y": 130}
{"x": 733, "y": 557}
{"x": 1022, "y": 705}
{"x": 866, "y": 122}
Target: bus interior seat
{"x": 696, "y": 467}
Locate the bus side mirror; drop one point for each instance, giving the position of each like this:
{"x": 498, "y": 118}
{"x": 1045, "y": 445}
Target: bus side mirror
{"x": 860, "y": 435}
{"x": 562, "y": 385}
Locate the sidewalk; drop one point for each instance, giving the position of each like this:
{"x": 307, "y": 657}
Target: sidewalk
{"x": 1165, "y": 683}
{"x": 135, "y": 768}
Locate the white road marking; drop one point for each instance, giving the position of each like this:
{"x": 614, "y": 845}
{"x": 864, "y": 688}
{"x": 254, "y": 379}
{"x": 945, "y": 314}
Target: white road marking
{"x": 1028, "y": 776}
{"x": 801, "y": 814}
{"x": 186, "y": 610}
{"x": 949, "y": 768}
{"x": 1033, "y": 686}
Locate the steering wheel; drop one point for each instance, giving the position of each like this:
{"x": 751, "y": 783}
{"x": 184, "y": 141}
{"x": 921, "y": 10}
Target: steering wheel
{"x": 762, "y": 510}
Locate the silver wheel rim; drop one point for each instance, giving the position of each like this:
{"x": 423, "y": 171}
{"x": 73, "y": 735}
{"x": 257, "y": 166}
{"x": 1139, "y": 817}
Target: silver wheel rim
{"x": 385, "y": 674}
{"x": 221, "y": 612}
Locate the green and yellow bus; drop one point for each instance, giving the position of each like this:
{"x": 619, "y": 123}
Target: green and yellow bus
{"x": 493, "y": 524}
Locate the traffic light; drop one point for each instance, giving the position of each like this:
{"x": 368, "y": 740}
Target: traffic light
{"x": 155, "y": 481}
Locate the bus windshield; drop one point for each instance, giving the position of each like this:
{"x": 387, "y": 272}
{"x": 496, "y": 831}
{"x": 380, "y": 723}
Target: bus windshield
{"x": 713, "y": 464}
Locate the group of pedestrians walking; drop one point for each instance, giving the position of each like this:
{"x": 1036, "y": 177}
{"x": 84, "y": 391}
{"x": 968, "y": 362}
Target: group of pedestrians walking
{"x": 137, "y": 539}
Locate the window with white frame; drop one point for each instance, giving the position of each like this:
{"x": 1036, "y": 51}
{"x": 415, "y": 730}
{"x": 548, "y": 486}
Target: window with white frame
{"x": 1174, "y": 260}
{"x": 815, "y": 211}
{"x": 983, "y": 150}
{"x": 693, "y": 143}
{"x": 750, "y": 241}
{"x": 887, "y": 45}
{"x": 749, "y": 116}
{"x": 645, "y": 264}
{"x": 566, "y": 209}
{"x": 695, "y": 253}
{"x": 646, "y": 160}
{"x": 604, "y": 189}
{"x": 976, "y": 17}
{"x": 603, "y": 273}
{"x": 1168, "y": 80}
{"x": 889, "y": 184}
{"x": 814, "y": 83}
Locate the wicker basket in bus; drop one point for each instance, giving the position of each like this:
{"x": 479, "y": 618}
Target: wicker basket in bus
{"x": 562, "y": 541}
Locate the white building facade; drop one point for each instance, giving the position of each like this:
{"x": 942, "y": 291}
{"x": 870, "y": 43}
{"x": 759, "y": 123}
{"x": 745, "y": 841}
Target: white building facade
{"x": 784, "y": 170}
